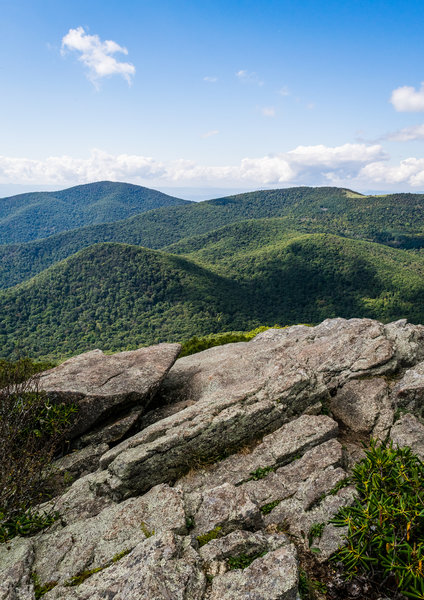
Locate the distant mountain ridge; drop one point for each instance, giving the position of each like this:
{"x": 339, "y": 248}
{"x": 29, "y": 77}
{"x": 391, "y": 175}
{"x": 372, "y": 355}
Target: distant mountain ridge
{"x": 396, "y": 220}
{"x": 37, "y": 215}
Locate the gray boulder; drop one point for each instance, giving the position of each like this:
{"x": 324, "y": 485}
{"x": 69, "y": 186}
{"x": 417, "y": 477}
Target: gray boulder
{"x": 361, "y": 404}
{"x": 409, "y": 431}
{"x": 409, "y": 391}
{"x": 163, "y": 567}
{"x": 104, "y": 385}
{"x": 91, "y": 543}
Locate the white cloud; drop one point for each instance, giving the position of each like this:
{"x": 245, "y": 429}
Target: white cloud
{"x": 268, "y": 111}
{"x": 408, "y": 99}
{"x": 415, "y": 132}
{"x": 409, "y": 172}
{"x": 249, "y": 77}
{"x": 304, "y": 165}
{"x": 210, "y": 79}
{"x": 210, "y": 133}
{"x": 97, "y": 56}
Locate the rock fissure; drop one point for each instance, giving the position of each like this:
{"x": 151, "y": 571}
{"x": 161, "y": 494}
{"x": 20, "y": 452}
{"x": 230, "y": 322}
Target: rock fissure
{"x": 278, "y": 464}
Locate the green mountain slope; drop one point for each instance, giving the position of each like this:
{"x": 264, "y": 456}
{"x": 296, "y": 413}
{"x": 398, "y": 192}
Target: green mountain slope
{"x": 40, "y": 214}
{"x": 116, "y": 296}
{"x": 397, "y": 220}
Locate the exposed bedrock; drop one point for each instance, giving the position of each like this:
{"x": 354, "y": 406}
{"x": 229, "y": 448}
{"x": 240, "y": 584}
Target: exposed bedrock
{"x": 240, "y": 463}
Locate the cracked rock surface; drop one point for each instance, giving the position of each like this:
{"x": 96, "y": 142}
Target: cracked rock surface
{"x": 210, "y": 494}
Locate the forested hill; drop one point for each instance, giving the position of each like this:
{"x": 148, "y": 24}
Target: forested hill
{"x": 116, "y": 296}
{"x": 40, "y": 214}
{"x": 396, "y": 220}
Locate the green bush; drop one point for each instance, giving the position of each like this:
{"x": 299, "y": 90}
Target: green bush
{"x": 385, "y": 538}
{"x": 32, "y": 428}
{"x": 195, "y": 344}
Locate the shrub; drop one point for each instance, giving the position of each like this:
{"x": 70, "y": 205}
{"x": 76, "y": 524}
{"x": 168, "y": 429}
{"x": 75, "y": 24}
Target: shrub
{"x": 385, "y": 537}
{"x": 195, "y": 344}
{"x": 32, "y": 427}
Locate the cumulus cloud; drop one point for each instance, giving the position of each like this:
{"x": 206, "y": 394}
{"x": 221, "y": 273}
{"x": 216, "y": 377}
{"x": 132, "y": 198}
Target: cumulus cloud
{"x": 249, "y": 77}
{"x": 284, "y": 91}
{"x": 408, "y": 99}
{"x": 408, "y": 134}
{"x": 210, "y": 133}
{"x": 302, "y": 165}
{"x": 210, "y": 79}
{"x": 97, "y": 56}
{"x": 268, "y": 111}
{"x": 409, "y": 172}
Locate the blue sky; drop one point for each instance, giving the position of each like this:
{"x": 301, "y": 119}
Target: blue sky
{"x": 197, "y": 96}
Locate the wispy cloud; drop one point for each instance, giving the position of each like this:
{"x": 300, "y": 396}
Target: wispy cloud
{"x": 210, "y": 79}
{"x": 408, "y": 99}
{"x": 268, "y": 111}
{"x": 97, "y": 56}
{"x": 211, "y": 133}
{"x": 249, "y": 77}
{"x": 284, "y": 91}
{"x": 408, "y": 134}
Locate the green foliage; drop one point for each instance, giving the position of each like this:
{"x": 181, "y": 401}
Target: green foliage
{"x": 24, "y": 523}
{"x": 386, "y": 524}
{"x": 267, "y": 508}
{"x": 260, "y": 473}
{"x": 195, "y": 344}
{"x": 315, "y": 531}
{"x": 32, "y": 427}
{"x": 210, "y": 535}
{"x": 242, "y": 561}
{"x": 308, "y": 587}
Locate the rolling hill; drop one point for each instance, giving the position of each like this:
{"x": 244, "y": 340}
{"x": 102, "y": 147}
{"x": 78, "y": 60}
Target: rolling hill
{"x": 396, "y": 220}
{"x": 40, "y": 214}
{"x": 117, "y": 296}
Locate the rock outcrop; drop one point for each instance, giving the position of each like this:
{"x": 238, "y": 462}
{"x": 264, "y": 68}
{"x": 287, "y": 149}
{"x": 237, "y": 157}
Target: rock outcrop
{"x": 103, "y": 386}
{"x": 239, "y": 465}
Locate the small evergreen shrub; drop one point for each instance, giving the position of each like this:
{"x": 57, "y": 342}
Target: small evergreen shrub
{"x": 32, "y": 427}
{"x": 385, "y": 537}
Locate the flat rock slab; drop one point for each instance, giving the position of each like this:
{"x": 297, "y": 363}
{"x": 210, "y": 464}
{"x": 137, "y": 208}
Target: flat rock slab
{"x": 102, "y": 385}
{"x": 271, "y": 577}
{"x": 228, "y": 508}
{"x": 163, "y": 567}
{"x": 282, "y": 446}
{"x": 91, "y": 543}
{"x": 215, "y": 554}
